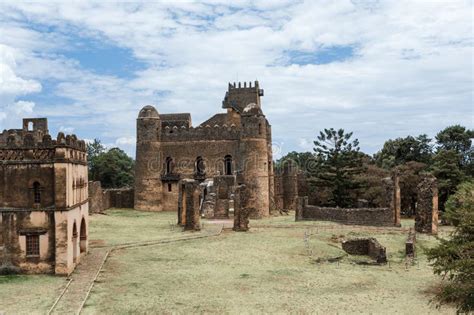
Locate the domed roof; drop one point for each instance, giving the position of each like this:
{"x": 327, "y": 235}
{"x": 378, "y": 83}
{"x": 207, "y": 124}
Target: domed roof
{"x": 252, "y": 109}
{"x": 148, "y": 112}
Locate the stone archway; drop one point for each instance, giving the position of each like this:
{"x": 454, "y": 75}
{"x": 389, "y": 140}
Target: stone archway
{"x": 83, "y": 236}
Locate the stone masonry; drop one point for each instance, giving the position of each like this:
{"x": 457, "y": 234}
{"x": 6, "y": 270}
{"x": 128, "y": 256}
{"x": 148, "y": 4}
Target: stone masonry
{"x": 170, "y": 149}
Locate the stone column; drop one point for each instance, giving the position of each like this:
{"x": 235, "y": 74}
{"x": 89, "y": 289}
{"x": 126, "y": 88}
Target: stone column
{"x": 426, "y": 220}
{"x": 241, "y": 211}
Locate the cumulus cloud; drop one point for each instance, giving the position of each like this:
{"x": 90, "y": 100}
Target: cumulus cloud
{"x": 409, "y": 72}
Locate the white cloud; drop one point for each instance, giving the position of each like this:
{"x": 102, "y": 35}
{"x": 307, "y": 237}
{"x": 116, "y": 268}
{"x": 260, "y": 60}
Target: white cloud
{"x": 413, "y": 58}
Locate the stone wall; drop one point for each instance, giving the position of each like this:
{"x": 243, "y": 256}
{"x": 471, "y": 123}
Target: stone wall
{"x": 426, "y": 220}
{"x": 366, "y": 246}
{"x": 356, "y": 216}
{"x": 388, "y": 215}
{"x": 103, "y": 199}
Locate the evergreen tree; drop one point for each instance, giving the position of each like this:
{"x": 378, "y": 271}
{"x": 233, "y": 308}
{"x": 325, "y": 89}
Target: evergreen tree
{"x": 453, "y": 258}
{"x": 403, "y": 150}
{"x": 458, "y": 139}
{"x": 338, "y": 163}
{"x": 448, "y": 172}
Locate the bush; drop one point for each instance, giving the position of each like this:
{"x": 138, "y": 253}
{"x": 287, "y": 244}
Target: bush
{"x": 453, "y": 259}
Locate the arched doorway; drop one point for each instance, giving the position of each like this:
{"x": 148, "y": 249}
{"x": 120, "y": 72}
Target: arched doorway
{"x": 74, "y": 242}
{"x": 83, "y": 236}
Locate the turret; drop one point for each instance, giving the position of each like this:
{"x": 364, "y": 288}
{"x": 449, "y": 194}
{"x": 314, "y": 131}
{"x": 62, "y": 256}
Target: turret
{"x": 148, "y": 160}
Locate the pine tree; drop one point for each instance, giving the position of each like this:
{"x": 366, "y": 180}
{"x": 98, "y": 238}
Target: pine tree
{"x": 453, "y": 258}
{"x": 338, "y": 163}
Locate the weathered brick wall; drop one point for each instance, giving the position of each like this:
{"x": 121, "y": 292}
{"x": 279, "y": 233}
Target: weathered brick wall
{"x": 102, "y": 199}
{"x": 121, "y": 197}
{"x": 96, "y": 204}
{"x": 358, "y": 216}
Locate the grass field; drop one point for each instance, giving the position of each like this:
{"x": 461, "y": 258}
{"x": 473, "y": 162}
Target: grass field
{"x": 267, "y": 270}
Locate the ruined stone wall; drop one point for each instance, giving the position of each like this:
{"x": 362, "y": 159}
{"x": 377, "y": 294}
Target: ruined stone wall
{"x": 120, "y": 198}
{"x": 96, "y": 204}
{"x": 366, "y": 246}
{"x": 103, "y": 199}
{"x": 356, "y": 216}
{"x": 289, "y": 184}
{"x": 426, "y": 220}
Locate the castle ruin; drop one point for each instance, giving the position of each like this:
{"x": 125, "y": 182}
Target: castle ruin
{"x": 235, "y": 144}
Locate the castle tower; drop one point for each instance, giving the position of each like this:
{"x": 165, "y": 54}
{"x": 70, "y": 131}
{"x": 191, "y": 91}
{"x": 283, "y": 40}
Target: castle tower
{"x": 253, "y": 165}
{"x": 148, "y": 185}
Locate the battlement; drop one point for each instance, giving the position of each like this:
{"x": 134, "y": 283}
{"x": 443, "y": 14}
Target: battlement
{"x": 239, "y": 95}
{"x": 19, "y": 139}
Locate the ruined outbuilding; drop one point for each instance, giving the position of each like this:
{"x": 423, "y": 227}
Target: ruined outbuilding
{"x": 43, "y": 199}
{"x": 426, "y": 220}
{"x": 236, "y": 144}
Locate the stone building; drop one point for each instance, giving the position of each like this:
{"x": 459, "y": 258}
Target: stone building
{"x": 236, "y": 143}
{"x": 43, "y": 199}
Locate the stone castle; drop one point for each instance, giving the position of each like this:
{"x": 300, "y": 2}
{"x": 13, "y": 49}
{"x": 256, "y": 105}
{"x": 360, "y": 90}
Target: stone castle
{"x": 227, "y": 150}
{"x": 43, "y": 199}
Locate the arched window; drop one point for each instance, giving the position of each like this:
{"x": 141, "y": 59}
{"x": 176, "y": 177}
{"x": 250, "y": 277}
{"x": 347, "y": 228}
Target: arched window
{"x": 169, "y": 165}
{"x": 37, "y": 192}
{"x": 30, "y": 126}
{"x": 228, "y": 165}
{"x": 200, "y": 167}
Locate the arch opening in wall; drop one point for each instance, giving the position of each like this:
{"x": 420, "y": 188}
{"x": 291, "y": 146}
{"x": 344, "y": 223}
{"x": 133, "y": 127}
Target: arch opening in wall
{"x": 74, "y": 242}
{"x": 36, "y": 192}
{"x": 200, "y": 166}
{"x": 83, "y": 236}
{"x": 228, "y": 165}
{"x": 30, "y": 126}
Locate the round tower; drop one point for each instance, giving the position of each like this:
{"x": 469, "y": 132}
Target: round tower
{"x": 254, "y": 168}
{"x": 148, "y": 187}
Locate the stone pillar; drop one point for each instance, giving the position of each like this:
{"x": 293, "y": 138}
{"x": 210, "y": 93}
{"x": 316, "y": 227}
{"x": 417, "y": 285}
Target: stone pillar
{"x": 396, "y": 199}
{"x": 302, "y": 203}
{"x": 426, "y": 220}
{"x": 188, "y": 210}
{"x": 392, "y": 197}
{"x": 241, "y": 211}
{"x": 290, "y": 185}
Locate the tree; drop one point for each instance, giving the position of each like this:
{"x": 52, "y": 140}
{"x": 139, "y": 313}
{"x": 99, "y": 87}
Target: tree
{"x": 446, "y": 169}
{"x": 304, "y": 160}
{"x": 410, "y": 175}
{"x": 113, "y": 168}
{"x": 94, "y": 149}
{"x": 458, "y": 139}
{"x": 453, "y": 258}
{"x": 402, "y": 150}
{"x": 338, "y": 163}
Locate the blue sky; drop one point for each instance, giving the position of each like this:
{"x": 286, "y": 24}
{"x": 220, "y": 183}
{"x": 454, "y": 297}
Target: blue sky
{"x": 382, "y": 69}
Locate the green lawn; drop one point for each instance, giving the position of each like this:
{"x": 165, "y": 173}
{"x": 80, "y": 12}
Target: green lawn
{"x": 29, "y": 294}
{"x": 267, "y": 270}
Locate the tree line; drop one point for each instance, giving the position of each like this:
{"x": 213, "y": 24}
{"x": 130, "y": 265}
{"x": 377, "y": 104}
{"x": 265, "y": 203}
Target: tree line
{"x": 339, "y": 174}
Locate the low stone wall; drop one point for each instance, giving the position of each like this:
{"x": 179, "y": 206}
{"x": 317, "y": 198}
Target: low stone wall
{"x": 366, "y": 246}
{"x": 101, "y": 199}
{"x": 356, "y": 216}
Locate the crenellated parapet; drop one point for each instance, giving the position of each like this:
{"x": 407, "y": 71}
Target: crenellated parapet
{"x": 19, "y": 139}
{"x": 36, "y": 144}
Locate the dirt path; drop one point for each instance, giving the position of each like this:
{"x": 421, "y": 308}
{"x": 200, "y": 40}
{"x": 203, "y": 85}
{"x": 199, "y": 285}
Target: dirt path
{"x": 82, "y": 278}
